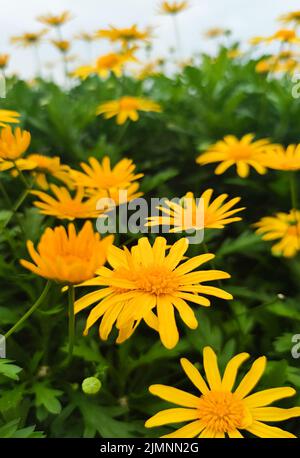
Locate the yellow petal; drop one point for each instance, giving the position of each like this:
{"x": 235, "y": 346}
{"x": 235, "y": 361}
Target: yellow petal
{"x": 176, "y": 415}
{"x": 194, "y": 375}
{"x": 187, "y": 431}
{"x": 266, "y": 397}
{"x": 174, "y": 395}
{"x": 167, "y": 327}
{"x": 275, "y": 413}
{"x": 211, "y": 368}
{"x": 231, "y": 371}
{"x": 252, "y": 377}
{"x": 268, "y": 432}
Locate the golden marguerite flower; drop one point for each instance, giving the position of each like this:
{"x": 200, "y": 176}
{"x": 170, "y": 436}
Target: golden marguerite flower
{"x": 29, "y": 38}
{"x": 55, "y": 20}
{"x": 220, "y": 410}
{"x": 127, "y": 107}
{"x": 109, "y": 63}
{"x": 126, "y": 36}
{"x": 291, "y": 18}
{"x": 283, "y": 36}
{"x": 67, "y": 257}
{"x": 280, "y": 158}
{"x": 62, "y": 45}
{"x": 101, "y": 178}
{"x": 9, "y": 117}
{"x": 173, "y": 7}
{"x": 4, "y": 58}
{"x": 243, "y": 153}
{"x": 284, "y": 227}
{"x": 65, "y": 206}
{"x": 197, "y": 214}
{"x": 50, "y": 166}
{"x": 13, "y": 144}
{"x": 145, "y": 279}
{"x": 215, "y": 32}
{"x": 43, "y": 167}
{"x": 85, "y": 36}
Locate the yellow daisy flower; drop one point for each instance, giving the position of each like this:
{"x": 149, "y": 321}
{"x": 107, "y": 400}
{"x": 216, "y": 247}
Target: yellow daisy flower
{"x": 127, "y": 107}
{"x": 126, "y": 36}
{"x": 4, "y": 58}
{"x": 173, "y": 7}
{"x": 62, "y": 45}
{"x": 220, "y": 410}
{"x": 102, "y": 179}
{"x": 67, "y": 257}
{"x": 243, "y": 153}
{"x": 29, "y": 38}
{"x": 283, "y": 36}
{"x": 292, "y": 17}
{"x": 145, "y": 279}
{"x": 215, "y": 32}
{"x": 9, "y": 117}
{"x": 284, "y": 227}
{"x": 280, "y": 158}
{"x": 55, "y": 20}
{"x": 197, "y": 215}
{"x": 64, "y": 206}
{"x": 13, "y": 144}
{"x": 44, "y": 166}
{"x": 111, "y": 62}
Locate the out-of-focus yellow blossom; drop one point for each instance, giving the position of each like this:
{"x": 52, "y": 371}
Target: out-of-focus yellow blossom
{"x": 4, "y": 58}
{"x": 9, "y": 117}
{"x": 283, "y": 36}
{"x": 243, "y": 153}
{"x": 284, "y": 227}
{"x": 173, "y": 7}
{"x": 55, "y": 20}
{"x": 62, "y": 45}
{"x": 85, "y": 36}
{"x": 112, "y": 62}
{"x": 127, "y": 36}
{"x": 291, "y": 18}
{"x": 63, "y": 205}
{"x": 100, "y": 178}
{"x": 43, "y": 166}
{"x": 127, "y": 107}
{"x": 216, "y": 32}
{"x": 280, "y": 158}
{"x": 13, "y": 144}
{"x": 29, "y": 38}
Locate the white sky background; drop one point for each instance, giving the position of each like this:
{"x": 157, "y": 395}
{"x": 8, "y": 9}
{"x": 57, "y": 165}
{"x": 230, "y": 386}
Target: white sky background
{"x": 245, "y": 18}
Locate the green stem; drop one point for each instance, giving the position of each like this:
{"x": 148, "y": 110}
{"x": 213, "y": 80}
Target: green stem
{"x": 16, "y": 206}
{"x": 21, "y": 175}
{"x": 30, "y": 311}
{"x": 71, "y": 298}
{"x": 177, "y": 35}
{"x": 5, "y": 195}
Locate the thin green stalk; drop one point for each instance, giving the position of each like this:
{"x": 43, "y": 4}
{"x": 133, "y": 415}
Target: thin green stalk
{"x": 71, "y": 298}
{"x": 177, "y": 35}
{"x": 5, "y": 195}
{"x": 16, "y": 206}
{"x": 21, "y": 175}
{"x": 38, "y": 302}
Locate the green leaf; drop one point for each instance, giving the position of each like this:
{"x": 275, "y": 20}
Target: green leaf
{"x": 47, "y": 397}
{"x": 9, "y": 370}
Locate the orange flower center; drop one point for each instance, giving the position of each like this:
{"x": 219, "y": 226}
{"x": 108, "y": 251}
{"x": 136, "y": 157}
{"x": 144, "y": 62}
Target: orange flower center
{"x": 223, "y": 411}
{"x": 156, "y": 280}
{"x": 128, "y": 104}
{"x": 240, "y": 152}
{"x": 109, "y": 61}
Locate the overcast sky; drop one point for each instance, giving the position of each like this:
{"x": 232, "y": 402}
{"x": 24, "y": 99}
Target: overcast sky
{"x": 245, "y": 18}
